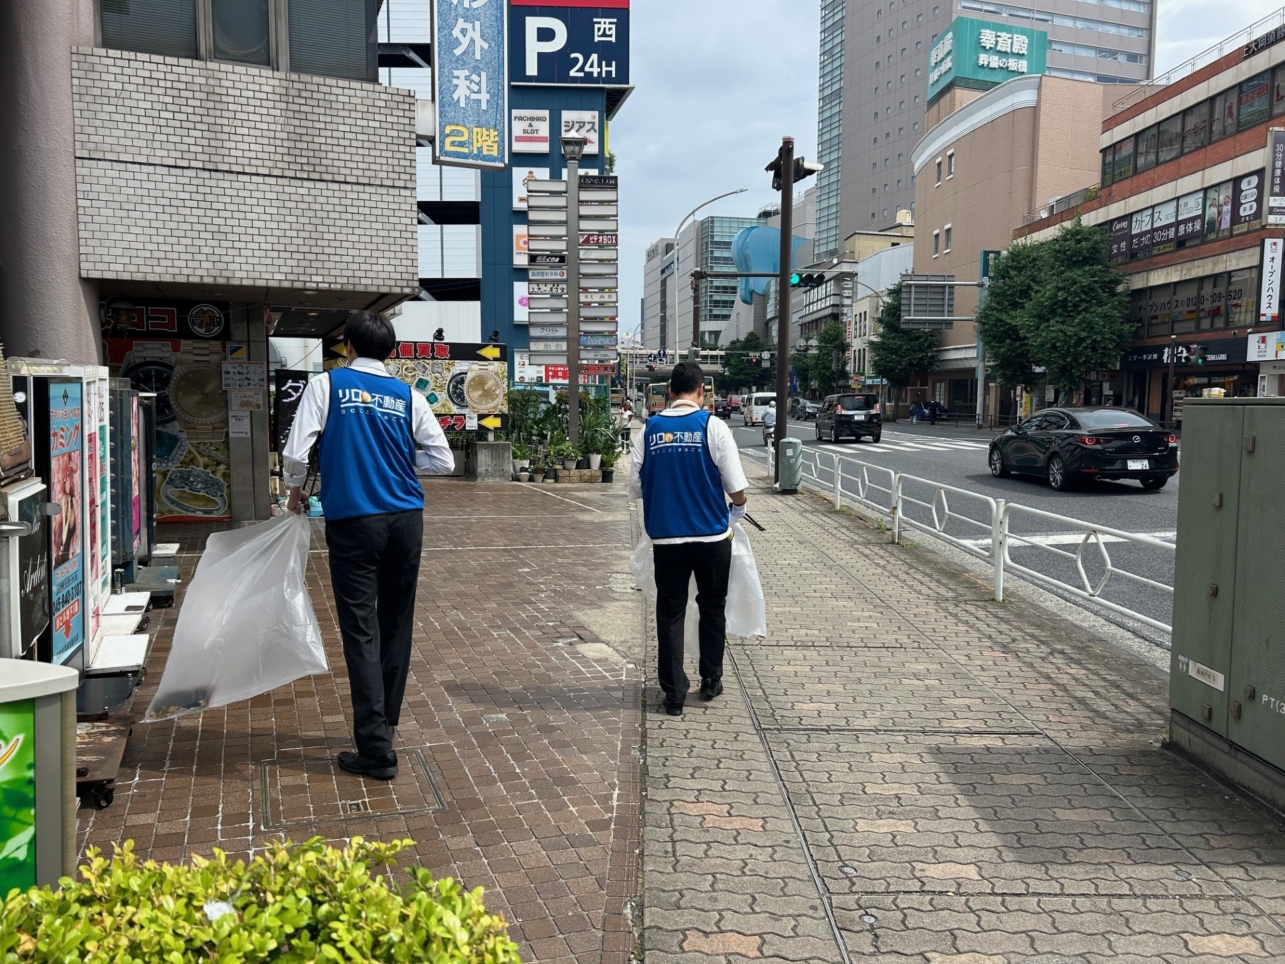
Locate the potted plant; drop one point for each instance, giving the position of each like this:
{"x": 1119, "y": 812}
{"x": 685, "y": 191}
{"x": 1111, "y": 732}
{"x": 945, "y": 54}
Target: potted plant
{"x": 524, "y": 474}
{"x": 562, "y": 451}
{"x": 551, "y": 474}
{"x": 609, "y": 465}
{"x": 521, "y": 456}
{"x": 537, "y": 471}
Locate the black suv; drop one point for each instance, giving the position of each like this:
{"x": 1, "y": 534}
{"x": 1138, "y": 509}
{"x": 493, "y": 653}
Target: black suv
{"x": 850, "y": 414}
{"x": 722, "y": 408}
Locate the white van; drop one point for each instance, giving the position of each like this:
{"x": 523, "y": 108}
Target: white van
{"x": 753, "y": 406}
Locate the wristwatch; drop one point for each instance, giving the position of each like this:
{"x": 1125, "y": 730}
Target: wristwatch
{"x": 197, "y": 391}
{"x": 150, "y": 368}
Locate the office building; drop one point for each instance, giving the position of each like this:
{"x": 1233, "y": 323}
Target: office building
{"x": 1189, "y": 195}
{"x": 883, "y": 70}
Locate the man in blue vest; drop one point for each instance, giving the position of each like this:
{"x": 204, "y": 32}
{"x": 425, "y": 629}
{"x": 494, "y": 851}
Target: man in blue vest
{"x": 372, "y": 433}
{"x": 685, "y": 468}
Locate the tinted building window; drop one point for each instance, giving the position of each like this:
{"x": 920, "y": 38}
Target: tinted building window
{"x": 1195, "y": 127}
{"x": 1222, "y": 115}
{"x": 1169, "y": 139}
{"x": 166, "y": 27}
{"x": 1147, "y": 149}
{"x": 334, "y": 37}
{"x": 1278, "y": 91}
{"x": 241, "y": 31}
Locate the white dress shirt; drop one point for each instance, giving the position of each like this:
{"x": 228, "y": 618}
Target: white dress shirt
{"x": 432, "y": 455}
{"x": 722, "y": 449}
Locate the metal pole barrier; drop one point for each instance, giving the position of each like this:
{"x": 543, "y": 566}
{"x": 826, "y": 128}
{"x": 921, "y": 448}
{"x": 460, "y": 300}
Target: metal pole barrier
{"x": 999, "y": 545}
{"x": 896, "y": 507}
{"x": 838, "y": 485}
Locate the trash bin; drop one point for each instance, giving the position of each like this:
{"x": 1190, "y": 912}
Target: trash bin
{"x": 37, "y": 773}
{"x": 790, "y": 458}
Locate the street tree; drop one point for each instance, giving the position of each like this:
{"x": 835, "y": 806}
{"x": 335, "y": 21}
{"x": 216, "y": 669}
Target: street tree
{"x": 825, "y": 378}
{"x": 801, "y": 365}
{"x": 743, "y": 366}
{"x": 1000, "y": 320}
{"x": 898, "y": 354}
{"x": 1077, "y": 319}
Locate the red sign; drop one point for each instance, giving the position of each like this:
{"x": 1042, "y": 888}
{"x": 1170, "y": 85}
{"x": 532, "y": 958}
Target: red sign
{"x": 561, "y": 374}
{"x": 597, "y": 369}
{"x": 598, "y": 240}
{"x": 447, "y": 350}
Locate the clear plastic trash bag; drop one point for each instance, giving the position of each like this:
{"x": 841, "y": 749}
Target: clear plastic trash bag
{"x": 746, "y": 609}
{"x": 247, "y": 625}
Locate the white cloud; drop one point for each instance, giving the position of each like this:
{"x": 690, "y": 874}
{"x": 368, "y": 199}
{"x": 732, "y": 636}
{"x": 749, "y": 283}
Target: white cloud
{"x": 1186, "y": 28}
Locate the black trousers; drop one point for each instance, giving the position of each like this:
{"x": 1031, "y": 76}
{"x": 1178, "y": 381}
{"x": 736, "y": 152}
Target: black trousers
{"x": 710, "y": 563}
{"x": 374, "y": 567}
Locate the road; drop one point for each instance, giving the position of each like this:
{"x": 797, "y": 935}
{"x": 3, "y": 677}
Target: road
{"x": 958, "y": 458}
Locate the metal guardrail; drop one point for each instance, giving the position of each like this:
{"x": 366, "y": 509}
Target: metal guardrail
{"x": 921, "y": 504}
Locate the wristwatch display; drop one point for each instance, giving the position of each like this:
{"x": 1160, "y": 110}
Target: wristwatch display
{"x": 197, "y": 391}
{"x": 150, "y": 368}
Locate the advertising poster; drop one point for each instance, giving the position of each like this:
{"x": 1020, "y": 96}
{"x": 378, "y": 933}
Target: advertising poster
{"x": 66, "y": 488}
{"x": 104, "y": 494}
{"x": 521, "y": 245}
{"x": 289, "y": 386}
{"x": 1269, "y": 296}
{"x": 18, "y": 791}
{"x": 136, "y": 471}
{"x": 521, "y": 175}
{"x": 93, "y": 471}
{"x": 1190, "y": 216}
{"x": 1164, "y": 228}
{"x": 1276, "y": 172}
{"x": 1247, "y": 202}
{"x": 464, "y": 383}
{"x": 530, "y": 132}
{"x": 1218, "y": 212}
{"x": 1120, "y": 239}
{"x": 33, "y": 563}
{"x": 1255, "y": 100}
{"x": 521, "y": 303}
{"x": 471, "y": 84}
{"x": 1140, "y": 234}
{"x": 193, "y": 480}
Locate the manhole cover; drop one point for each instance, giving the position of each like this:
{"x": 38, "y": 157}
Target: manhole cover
{"x": 848, "y": 871}
{"x": 869, "y": 918}
{"x": 309, "y": 791}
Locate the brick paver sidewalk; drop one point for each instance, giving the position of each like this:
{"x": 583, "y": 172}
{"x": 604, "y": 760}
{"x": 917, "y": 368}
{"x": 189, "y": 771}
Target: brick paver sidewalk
{"x": 518, "y": 743}
{"x": 906, "y": 771}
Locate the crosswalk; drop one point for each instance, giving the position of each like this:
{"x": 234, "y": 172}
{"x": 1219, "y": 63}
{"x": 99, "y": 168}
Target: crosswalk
{"x": 895, "y": 441}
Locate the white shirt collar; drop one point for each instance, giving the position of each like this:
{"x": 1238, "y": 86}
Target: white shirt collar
{"x": 369, "y": 366}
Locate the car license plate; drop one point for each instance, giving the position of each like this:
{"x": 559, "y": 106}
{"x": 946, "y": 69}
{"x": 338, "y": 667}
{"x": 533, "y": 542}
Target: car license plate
{"x": 1139, "y": 464}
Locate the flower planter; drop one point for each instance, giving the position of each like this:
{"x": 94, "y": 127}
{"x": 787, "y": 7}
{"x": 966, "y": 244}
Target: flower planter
{"x": 523, "y": 475}
{"x": 595, "y": 460}
{"x": 569, "y": 464}
{"x": 551, "y": 475}
{"x": 582, "y": 462}
{"x": 537, "y": 476}
{"x": 520, "y": 464}
{"x": 608, "y": 475}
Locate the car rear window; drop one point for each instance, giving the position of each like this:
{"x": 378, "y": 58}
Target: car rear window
{"x": 1108, "y": 419}
{"x": 855, "y": 403}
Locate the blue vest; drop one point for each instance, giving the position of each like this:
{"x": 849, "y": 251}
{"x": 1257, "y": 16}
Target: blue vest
{"x": 682, "y": 489}
{"x": 367, "y": 447}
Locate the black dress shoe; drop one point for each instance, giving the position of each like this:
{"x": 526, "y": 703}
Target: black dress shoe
{"x": 673, "y": 709}
{"x": 363, "y": 766}
{"x": 711, "y": 688}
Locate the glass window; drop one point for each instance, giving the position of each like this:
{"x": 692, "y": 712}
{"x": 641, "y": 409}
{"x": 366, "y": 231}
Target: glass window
{"x": 1146, "y": 149}
{"x": 1112, "y": 418}
{"x": 165, "y": 27}
{"x": 1242, "y": 298}
{"x": 1218, "y": 212}
{"x": 335, "y": 38}
{"x": 1195, "y": 127}
{"x": 1222, "y": 115}
{"x": 1254, "y": 100}
{"x": 948, "y": 231}
{"x": 939, "y": 172}
{"x": 1169, "y": 139}
{"x": 1278, "y": 91}
{"x": 936, "y": 243}
{"x": 950, "y": 164}
{"x": 241, "y": 31}
{"x": 1108, "y": 166}
{"x": 1123, "y": 159}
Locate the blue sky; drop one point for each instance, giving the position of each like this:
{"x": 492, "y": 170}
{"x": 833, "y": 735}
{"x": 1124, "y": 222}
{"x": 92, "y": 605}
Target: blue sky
{"x": 719, "y": 82}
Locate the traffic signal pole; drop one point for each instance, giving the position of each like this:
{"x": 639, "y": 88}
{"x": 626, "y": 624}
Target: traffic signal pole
{"x": 786, "y": 159}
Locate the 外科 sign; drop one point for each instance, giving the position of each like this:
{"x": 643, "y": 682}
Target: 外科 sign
{"x": 470, "y": 83}
{"x": 581, "y": 42}
{"x": 1269, "y": 296}
{"x": 979, "y": 54}
{"x": 531, "y": 132}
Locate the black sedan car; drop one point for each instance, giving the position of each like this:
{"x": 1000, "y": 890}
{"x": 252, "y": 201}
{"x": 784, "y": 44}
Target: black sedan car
{"x": 722, "y": 407}
{"x": 1070, "y": 445}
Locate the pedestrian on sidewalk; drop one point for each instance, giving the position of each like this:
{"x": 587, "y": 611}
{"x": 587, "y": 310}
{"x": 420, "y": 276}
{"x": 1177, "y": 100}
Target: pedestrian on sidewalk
{"x": 916, "y": 413}
{"x": 935, "y": 411}
{"x": 380, "y": 433}
{"x": 685, "y": 467}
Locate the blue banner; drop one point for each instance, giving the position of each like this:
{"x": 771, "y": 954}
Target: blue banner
{"x": 570, "y": 43}
{"x": 67, "y": 489}
{"x": 470, "y": 83}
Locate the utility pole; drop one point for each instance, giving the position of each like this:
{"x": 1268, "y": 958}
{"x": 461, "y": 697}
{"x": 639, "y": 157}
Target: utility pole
{"x": 694, "y": 353}
{"x": 786, "y": 173}
{"x": 1173, "y": 354}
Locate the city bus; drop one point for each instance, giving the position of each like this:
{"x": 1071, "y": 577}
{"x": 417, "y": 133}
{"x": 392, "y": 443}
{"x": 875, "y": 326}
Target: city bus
{"x": 658, "y": 396}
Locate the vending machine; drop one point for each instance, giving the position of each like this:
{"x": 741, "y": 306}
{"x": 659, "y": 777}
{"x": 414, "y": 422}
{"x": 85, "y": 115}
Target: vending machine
{"x": 24, "y": 507}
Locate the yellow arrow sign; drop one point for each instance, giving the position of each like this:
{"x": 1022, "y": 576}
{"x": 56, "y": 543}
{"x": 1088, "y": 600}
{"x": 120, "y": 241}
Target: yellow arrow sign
{"x": 491, "y": 421}
{"x": 490, "y": 351}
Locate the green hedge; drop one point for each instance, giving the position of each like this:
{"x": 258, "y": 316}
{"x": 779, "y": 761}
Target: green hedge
{"x": 294, "y": 903}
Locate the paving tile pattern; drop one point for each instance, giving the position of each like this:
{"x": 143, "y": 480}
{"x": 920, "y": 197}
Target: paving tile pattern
{"x": 519, "y": 738}
{"x": 906, "y": 771}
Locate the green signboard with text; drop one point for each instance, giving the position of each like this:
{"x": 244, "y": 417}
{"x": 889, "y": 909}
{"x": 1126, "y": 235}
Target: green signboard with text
{"x": 980, "y": 55}
{"x": 17, "y": 795}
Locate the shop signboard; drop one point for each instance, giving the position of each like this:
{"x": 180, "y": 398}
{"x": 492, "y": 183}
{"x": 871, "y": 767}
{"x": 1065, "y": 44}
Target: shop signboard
{"x": 1247, "y": 202}
{"x": 136, "y": 472}
{"x": 1191, "y": 210}
{"x": 18, "y": 791}
{"x": 1267, "y": 346}
{"x": 521, "y": 303}
{"x": 67, "y": 489}
{"x": 583, "y": 42}
{"x": 979, "y": 54}
{"x": 1221, "y": 351}
{"x": 1164, "y": 227}
{"x": 101, "y": 422}
{"x": 1269, "y": 296}
{"x": 550, "y": 258}
{"x": 547, "y": 274}
{"x": 521, "y": 246}
{"x": 289, "y": 386}
{"x": 1140, "y": 234}
{"x": 94, "y": 458}
{"x": 470, "y": 84}
{"x": 1276, "y": 175}
{"x": 585, "y": 124}
{"x": 522, "y": 174}
{"x": 458, "y": 379}
{"x": 1254, "y": 97}
{"x": 530, "y": 135}
{"x": 161, "y": 318}
{"x": 33, "y": 568}
{"x": 1120, "y": 239}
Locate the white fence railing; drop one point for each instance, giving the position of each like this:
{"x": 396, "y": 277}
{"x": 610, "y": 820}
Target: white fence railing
{"x": 982, "y": 527}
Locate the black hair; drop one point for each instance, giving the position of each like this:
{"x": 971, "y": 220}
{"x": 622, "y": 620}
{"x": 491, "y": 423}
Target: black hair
{"x": 371, "y": 334}
{"x": 686, "y": 378}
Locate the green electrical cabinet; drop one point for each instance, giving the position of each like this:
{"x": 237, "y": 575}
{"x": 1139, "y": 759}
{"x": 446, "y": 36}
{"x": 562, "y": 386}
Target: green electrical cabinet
{"x": 1227, "y": 670}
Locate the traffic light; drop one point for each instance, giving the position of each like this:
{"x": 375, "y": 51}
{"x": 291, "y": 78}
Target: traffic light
{"x": 809, "y": 280}
{"x": 803, "y": 169}
{"x": 754, "y": 359}
{"x": 1198, "y": 354}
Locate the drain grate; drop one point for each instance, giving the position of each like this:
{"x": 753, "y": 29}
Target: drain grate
{"x": 310, "y": 791}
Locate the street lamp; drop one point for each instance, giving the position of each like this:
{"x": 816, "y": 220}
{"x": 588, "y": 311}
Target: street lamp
{"x": 678, "y": 244}
{"x": 572, "y": 149}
